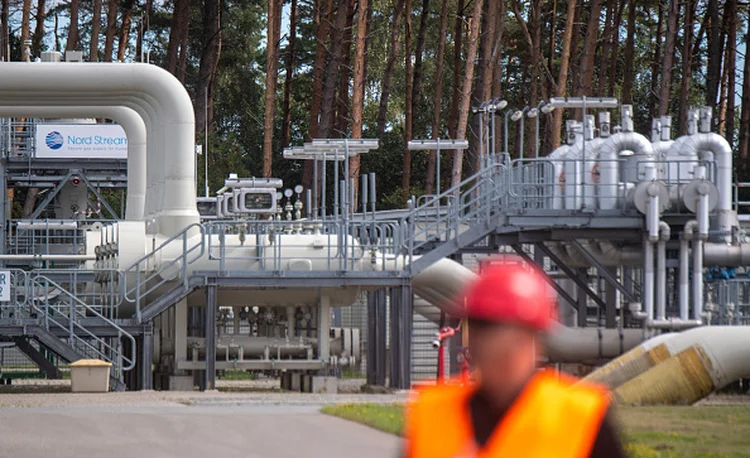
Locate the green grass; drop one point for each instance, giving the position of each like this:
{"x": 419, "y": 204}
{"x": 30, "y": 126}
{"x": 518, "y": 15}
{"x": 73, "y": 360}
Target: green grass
{"x": 648, "y": 432}
{"x": 385, "y": 417}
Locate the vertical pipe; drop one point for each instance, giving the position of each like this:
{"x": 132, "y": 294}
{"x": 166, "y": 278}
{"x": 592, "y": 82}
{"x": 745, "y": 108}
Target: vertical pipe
{"x": 315, "y": 188}
{"x": 308, "y": 203}
{"x": 336, "y": 203}
{"x": 481, "y": 138}
{"x": 698, "y": 279}
{"x": 652, "y": 218}
{"x": 437, "y": 169}
{"x": 661, "y": 279}
{"x": 648, "y": 280}
{"x": 684, "y": 279}
{"x": 364, "y": 185}
{"x": 323, "y": 188}
{"x": 324, "y": 329}
{"x": 210, "y": 382}
{"x": 505, "y": 132}
{"x": 373, "y": 196}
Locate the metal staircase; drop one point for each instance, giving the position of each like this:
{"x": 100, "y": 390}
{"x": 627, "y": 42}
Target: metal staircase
{"x": 148, "y": 275}
{"x": 457, "y": 218}
{"x": 64, "y": 325}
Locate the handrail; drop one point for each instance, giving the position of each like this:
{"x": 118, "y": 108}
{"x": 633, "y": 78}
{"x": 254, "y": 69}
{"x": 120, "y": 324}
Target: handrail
{"x": 142, "y": 288}
{"x": 37, "y": 281}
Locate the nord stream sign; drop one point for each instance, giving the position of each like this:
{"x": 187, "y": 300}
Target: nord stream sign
{"x": 100, "y": 141}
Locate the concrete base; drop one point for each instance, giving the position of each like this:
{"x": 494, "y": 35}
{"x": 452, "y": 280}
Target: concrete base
{"x": 323, "y": 384}
{"x": 180, "y": 383}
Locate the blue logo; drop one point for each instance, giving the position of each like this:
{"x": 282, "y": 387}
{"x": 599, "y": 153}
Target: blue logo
{"x": 54, "y": 140}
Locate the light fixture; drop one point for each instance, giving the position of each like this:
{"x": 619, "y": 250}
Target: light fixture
{"x": 499, "y": 104}
{"x": 548, "y": 108}
{"x": 516, "y": 116}
{"x": 532, "y": 113}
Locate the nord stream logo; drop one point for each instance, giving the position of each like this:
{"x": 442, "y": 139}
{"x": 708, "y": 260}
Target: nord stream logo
{"x": 54, "y": 140}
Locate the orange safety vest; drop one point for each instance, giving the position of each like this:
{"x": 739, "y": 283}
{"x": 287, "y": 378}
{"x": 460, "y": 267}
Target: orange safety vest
{"x": 550, "y": 418}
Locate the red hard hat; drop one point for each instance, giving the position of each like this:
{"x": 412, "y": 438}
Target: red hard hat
{"x": 510, "y": 290}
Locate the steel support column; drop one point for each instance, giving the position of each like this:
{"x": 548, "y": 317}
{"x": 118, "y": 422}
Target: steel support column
{"x": 564, "y": 294}
{"x": 571, "y": 273}
{"x": 611, "y": 297}
{"x": 211, "y": 293}
{"x": 51, "y": 195}
{"x": 603, "y": 271}
{"x": 324, "y": 329}
{"x": 581, "y": 278}
{"x": 146, "y": 360}
{"x": 376, "y": 337}
{"x": 401, "y": 325}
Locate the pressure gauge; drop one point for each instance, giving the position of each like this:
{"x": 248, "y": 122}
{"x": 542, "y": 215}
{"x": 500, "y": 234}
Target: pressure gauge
{"x": 279, "y": 196}
{"x": 288, "y": 193}
{"x": 298, "y": 189}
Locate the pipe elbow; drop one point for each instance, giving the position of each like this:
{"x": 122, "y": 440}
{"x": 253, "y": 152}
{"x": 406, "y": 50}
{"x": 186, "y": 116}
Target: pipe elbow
{"x": 665, "y": 232}
{"x": 690, "y": 228}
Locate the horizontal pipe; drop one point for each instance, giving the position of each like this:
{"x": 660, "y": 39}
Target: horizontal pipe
{"x": 47, "y": 257}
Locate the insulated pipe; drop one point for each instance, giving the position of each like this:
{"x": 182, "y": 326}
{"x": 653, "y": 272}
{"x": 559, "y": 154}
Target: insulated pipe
{"x": 442, "y": 283}
{"x": 711, "y": 358}
{"x": 698, "y": 279}
{"x": 684, "y": 290}
{"x": 48, "y": 257}
{"x": 648, "y": 279}
{"x": 653, "y": 212}
{"x": 610, "y": 168}
{"x": 178, "y": 207}
{"x": 142, "y": 106}
{"x": 661, "y": 271}
{"x": 134, "y": 128}
{"x": 717, "y": 145}
{"x": 632, "y": 363}
{"x": 702, "y": 207}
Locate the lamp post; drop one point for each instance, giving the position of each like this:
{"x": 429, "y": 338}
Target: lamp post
{"x": 541, "y": 108}
{"x": 497, "y": 104}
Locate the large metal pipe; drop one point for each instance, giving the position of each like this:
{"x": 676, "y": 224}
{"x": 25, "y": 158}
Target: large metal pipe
{"x": 121, "y": 83}
{"x": 684, "y": 290}
{"x": 661, "y": 271}
{"x": 135, "y": 130}
{"x": 698, "y": 279}
{"x": 648, "y": 279}
{"x": 701, "y": 361}
{"x": 715, "y": 144}
{"x": 609, "y": 166}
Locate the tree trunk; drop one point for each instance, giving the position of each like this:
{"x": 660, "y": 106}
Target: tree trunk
{"x": 562, "y": 76}
{"x": 272, "y": 62}
{"x": 124, "y": 36}
{"x": 385, "y": 88}
{"x": 497, "y": 72}
{"x": 687, "y": 65}
{"x": 321, "y": 22}
{"x": 109, "y": 40}
{"x": 4, "y": 15}
{"x": 715, "y": 45}
{"x": 408, "y": 99}
{"x": 614, "y": 61}
{"x": 25, "y": 27}
{"x": 483, "y": 87}
{"x": 96, "y": 24}
{"x": 669, "y": 46}
{"x": 438, "y": 95}
{"x": 605, "y": 54}
{"x": 184, "y": 40}
{"x": 358, "y": 89}
{"x": 73, "y": 26}
{"x": 342, "y": 99}
{"x": 730, "y": 64}
{"x": 286, "y": 108}
{"x": 456, "y": 83}
{"x": 535, "y": 25}
{"x": 179, "y": 23}
{"x": 744, "y": 145}
{"x": 418, "y": 56}
{"x": 628, "y": 74}
{"x": 465, "y": 105}
{"x": 334, "y": 66}
{"x": 655, "y": 64}
{"x": 38, "y": 38}
{"x": 586, "y": 70}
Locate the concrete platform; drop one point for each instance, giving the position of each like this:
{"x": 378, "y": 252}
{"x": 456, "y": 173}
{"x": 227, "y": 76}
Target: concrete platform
{"x": 247, "y": 431}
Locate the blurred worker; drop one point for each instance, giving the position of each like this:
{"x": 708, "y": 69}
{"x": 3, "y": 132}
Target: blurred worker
{"x": 513, "y": 410}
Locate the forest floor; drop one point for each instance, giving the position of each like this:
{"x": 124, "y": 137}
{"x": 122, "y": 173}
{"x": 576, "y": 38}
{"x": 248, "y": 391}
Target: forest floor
{"x": 719, "y": 428}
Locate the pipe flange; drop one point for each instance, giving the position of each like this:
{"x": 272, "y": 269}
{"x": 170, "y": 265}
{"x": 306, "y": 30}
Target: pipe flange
{"x": 697, "y": 188}
{"x": 645, "y": 190}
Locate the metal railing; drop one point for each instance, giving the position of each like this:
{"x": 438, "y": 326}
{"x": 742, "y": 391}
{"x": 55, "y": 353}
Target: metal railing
{"x": 15, "y": 309}
{"x": 148, "y": 274}
{"x": 101, "y": 289}
{"x": 64, "y": 311}
{"x": 17, "y": 137}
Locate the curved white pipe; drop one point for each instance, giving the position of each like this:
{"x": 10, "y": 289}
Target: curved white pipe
{"x": 134, "y": 128}
{"x": 142, "y": 105}
{"x": 174, "y": 162}
{"x": 702, "y": 143}
{"x": 609, "y": 167}
{"x": 442, "y": 283}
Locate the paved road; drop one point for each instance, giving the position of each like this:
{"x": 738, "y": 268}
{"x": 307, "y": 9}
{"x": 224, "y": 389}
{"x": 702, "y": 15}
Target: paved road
{"x": 246, "y": 431}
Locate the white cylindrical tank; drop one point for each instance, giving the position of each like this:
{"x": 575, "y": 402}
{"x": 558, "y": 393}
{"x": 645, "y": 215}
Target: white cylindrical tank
{"x": 558, "y": 160}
